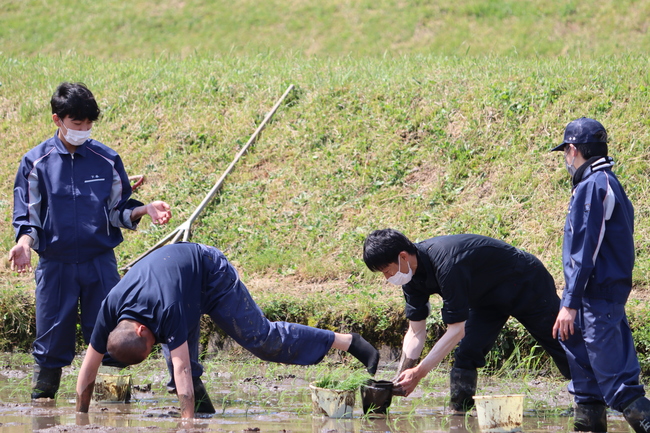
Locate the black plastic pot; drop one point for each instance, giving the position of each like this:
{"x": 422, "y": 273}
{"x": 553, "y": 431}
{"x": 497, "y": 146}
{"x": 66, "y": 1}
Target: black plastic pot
{"x": 376, "y": 396}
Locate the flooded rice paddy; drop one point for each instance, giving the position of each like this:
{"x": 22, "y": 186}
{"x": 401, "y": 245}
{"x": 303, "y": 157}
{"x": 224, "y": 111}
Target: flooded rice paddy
{"x": 259, "y": 397}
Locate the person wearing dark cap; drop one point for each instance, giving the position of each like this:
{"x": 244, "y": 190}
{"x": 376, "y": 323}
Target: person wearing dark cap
{"x": 482, "y": 282}
{"x": 598, "y": 257}
{"x": 161, "y": 300}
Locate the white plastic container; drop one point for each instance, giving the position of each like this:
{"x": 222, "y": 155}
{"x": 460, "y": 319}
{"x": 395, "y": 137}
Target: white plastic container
{"x": 114, "y": 388}
{"x": 334, "y": 403}
{"x": 500, "y": 413}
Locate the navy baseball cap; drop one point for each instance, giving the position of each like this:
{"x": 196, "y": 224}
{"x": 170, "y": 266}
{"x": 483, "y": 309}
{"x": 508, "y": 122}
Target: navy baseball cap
{"x": 583, "y": 131}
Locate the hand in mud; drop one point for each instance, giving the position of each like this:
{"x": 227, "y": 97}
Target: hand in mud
{"x": 83, "y": 400}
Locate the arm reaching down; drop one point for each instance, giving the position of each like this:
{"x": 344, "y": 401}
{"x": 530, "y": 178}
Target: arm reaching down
{"x": 183, "y": 377}
{"x": 412, "y": 345}
{"x": 86, "y": 378}
{"x": 409, "y": 378}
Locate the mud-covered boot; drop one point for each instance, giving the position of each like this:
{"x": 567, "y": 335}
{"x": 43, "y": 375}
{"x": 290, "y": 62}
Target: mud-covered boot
{"x": 637, "y": 415}
{"x": 462, "y": 387}
{"x": 202, "y": 402}
{"x": 590, "y": 417}
{"x": 45, "y": 382}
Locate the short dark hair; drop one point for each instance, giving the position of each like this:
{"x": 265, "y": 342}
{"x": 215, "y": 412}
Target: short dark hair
{"x": 589, "y": 150}
{"x": 125, "y": 346}
{"x": 382, "y": 247}
{"x": 76, "y": 101}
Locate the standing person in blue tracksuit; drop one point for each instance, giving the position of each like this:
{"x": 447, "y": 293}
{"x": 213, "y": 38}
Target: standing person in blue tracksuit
{"x": 71, "y": 197}
{"x": 482, "y": 282}
{"x": 161, "y": 300}
{"x": 598, "y": 257}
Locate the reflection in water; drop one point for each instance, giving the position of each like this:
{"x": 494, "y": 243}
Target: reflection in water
{"x": 265, "y": 400}
{"x": 43, "y": 417}
{"x": 164, "y": 418}
{"x": 43, "y": 422}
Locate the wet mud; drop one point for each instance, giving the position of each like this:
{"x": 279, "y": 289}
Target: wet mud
{"x": 265, "y": 399}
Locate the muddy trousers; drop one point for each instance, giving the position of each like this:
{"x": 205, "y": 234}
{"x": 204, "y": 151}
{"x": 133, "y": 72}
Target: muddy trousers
{"x": 602, "y": 357}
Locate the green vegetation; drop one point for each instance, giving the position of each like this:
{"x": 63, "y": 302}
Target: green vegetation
{"x": 144, "y": 29}
{"x": 424, "y": 144}
{"x": 432, "y": 119}
{"x": 347, "y": 381}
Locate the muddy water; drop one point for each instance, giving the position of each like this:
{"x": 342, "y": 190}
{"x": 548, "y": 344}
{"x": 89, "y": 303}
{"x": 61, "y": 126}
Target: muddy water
{"x": 263, "y": 400}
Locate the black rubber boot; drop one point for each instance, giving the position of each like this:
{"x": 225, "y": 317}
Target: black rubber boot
{"x": 637, "y": 415}
{"x": 590, "y": 417}
{"x": 364, "y": 352}
{"x": 45, "y": 382}
{"x": 462, "y": 387}
{"x": 202, "y": 402}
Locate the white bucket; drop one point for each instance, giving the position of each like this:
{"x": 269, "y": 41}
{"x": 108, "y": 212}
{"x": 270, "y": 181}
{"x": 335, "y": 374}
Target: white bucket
{"x": 334, "y": 403}
{"x": 500, "y": 413}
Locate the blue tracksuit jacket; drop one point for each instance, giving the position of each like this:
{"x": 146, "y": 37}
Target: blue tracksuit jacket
{"x": 598, "y": 249}
{"x": 598, "y": 256}
{"x": 73, "y": 205}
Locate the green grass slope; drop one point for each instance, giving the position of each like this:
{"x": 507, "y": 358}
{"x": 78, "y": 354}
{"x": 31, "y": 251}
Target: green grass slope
{"x": 427, "y": 145}
{"x": 429, "y": 118}
{"x": 141, "y": 28}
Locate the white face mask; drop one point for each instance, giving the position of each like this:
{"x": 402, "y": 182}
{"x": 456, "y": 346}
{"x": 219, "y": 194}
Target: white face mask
{"x": 401, "y": 278}
{"x": 569, "y": 166}
{"x": 74, "y": 137}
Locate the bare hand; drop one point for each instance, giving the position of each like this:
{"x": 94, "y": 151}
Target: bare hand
{"x": 20, "y": 257}
{"x": 159, "y": 211}
{"x": 563, "y": 327}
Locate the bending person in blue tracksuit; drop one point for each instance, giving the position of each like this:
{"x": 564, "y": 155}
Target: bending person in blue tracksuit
{"x": 161, "y": 300}
{"x": 71, "y": 198}
{"x": 598, "y": 257}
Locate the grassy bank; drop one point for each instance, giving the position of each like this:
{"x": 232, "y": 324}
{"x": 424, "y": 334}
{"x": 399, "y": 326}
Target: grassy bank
{"x": 145, "y": 29}
{"x": 428, "y": 145}
{"x": 382, "y": 323}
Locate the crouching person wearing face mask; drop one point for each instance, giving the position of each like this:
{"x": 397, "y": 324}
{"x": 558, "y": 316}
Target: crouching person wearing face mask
{"x": 482, "y": 282}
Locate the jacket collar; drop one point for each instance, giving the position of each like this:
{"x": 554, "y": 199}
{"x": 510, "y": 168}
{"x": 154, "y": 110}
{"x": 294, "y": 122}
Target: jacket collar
{"x": 596, "y": 163}
{"x": 61, "y": 149}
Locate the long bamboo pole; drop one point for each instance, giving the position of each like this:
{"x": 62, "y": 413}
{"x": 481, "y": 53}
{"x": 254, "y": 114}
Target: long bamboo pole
{"x": 184, "y": 229}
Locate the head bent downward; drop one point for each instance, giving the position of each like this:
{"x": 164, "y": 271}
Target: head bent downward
{"x": 382, "y": 248}
{"x": 130, "y": 342}
{"x": 76, "y": 101}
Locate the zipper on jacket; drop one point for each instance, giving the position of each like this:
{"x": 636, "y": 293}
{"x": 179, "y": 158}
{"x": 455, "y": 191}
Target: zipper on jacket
{"x": 74, "y": 200}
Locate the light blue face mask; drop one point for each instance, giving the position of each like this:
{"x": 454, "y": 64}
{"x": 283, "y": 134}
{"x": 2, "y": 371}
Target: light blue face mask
{"x": 401, "y": 278}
